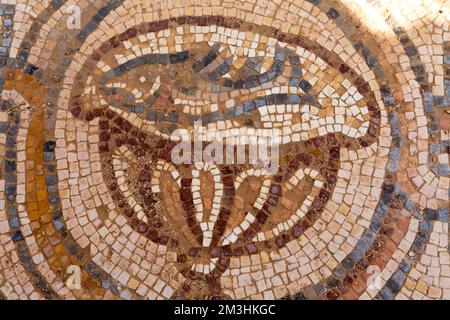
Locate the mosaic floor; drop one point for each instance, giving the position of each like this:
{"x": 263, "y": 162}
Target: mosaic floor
{"x": 97, "y": 95}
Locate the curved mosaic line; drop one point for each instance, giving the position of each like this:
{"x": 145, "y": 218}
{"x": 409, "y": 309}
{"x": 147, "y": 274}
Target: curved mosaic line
{"x": 95, "y": 203}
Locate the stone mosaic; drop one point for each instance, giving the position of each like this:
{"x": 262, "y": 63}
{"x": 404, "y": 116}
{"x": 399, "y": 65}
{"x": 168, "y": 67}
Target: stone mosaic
{"x": 98, "y": 96}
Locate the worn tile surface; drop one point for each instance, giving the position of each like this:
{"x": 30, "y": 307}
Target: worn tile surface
{"x": 94, "y": 94}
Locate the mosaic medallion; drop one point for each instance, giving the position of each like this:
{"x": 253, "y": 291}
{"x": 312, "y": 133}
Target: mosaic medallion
{"x": 224, "y": 150}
